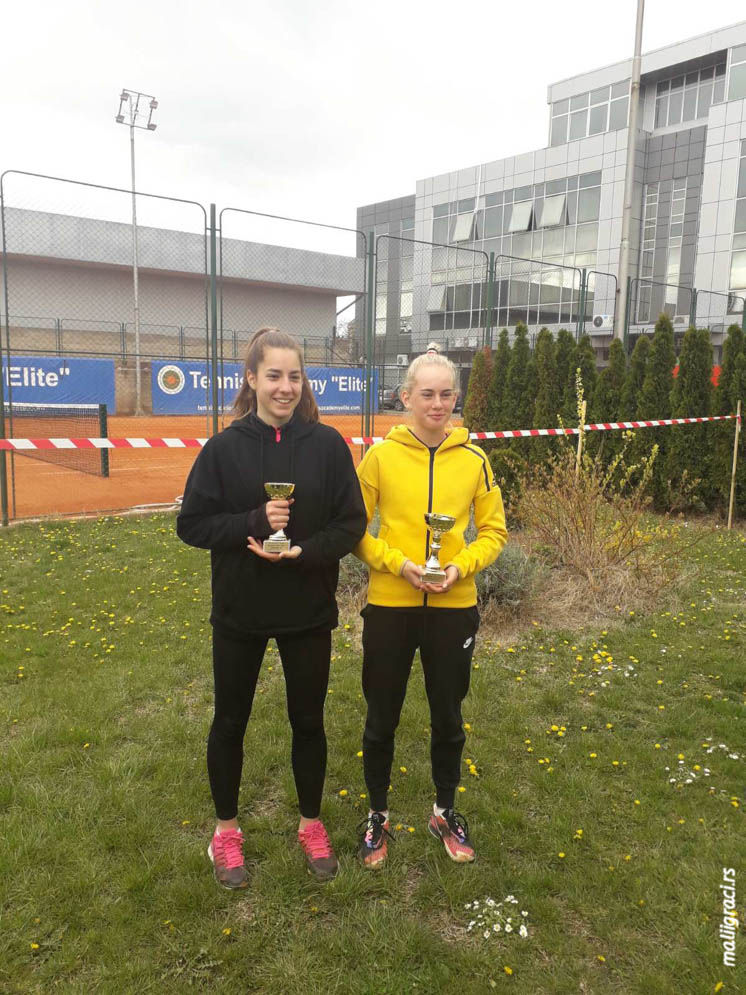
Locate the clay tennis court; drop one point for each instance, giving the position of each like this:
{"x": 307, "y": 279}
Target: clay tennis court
{"x": 136, "y": 476}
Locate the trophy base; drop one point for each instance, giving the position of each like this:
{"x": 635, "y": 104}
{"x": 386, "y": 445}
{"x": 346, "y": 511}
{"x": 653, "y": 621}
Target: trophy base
{"x": 432, "y": 576}
{"x": 276, "y": 545}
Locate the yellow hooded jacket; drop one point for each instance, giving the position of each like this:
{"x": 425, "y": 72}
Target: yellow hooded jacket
{"x": 404, "y": 480}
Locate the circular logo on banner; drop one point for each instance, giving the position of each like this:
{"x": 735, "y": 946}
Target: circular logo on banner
{"x": 171, "y": 379}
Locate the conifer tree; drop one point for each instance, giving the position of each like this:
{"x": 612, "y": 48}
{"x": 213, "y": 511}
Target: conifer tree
{"x": 477, "y": 394}
{"x": 519, "y": 400}
{"x": 691, "y": 446}
{"x": 565, "y": 353}
{"x": 655, "y": 402}
{"x": 500, "y": 363}
{"x": 545, "y": 406}
{"x": 584, "y": 359}
{"x": 726, "y": 398}
{"x": 607, "y": 401}
{"x": 655, "y": 396}
{"x": 634, "y": 379}
{"x": 608, "y": 395}
{"x": 733, "y": 346}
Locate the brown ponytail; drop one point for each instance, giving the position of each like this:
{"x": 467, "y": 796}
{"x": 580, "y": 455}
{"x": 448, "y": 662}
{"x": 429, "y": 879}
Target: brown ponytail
{"x": 272, "y": 338}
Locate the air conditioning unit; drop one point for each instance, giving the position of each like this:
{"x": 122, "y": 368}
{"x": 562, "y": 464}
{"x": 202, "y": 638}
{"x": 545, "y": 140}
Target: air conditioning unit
{"x": 603, "y": 322}
{"x": 681, "y": 319}
{"x": 402, "y": 359}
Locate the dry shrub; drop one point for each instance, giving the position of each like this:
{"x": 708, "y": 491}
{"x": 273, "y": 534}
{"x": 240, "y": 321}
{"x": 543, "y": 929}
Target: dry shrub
{"x": 590, "y": 524}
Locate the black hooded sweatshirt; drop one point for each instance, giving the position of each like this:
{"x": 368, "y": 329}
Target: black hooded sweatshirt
{"x": 224, "y": 503}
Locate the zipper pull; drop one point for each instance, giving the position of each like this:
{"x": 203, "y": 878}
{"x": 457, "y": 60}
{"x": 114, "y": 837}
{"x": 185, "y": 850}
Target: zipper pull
{"x": 277, "y": 435}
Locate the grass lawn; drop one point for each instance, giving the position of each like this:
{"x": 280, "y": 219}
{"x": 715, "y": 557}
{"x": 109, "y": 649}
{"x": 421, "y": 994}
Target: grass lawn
{"x": 603, "y": 782}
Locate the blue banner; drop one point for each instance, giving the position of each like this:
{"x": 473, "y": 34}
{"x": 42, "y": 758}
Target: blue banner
{"x": 53, "y": 380}
{"x": 185, "y": 388}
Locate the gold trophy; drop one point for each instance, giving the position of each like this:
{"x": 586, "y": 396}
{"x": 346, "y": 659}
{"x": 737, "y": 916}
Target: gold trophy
{"x": 438, "y": 525}
{"x": 278, "y": 542}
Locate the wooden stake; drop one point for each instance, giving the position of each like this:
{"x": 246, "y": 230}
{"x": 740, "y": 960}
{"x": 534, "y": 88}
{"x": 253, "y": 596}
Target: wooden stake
{"x": 735, "y": 462}
{"x": 581, "y": 436}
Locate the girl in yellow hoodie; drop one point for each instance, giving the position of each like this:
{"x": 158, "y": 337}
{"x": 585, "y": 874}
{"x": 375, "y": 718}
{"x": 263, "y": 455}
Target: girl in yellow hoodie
{"x": 422, "y": 467}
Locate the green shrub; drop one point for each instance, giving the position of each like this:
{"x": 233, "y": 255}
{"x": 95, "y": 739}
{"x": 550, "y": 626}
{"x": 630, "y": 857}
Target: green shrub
{"x": 511, "y": 580}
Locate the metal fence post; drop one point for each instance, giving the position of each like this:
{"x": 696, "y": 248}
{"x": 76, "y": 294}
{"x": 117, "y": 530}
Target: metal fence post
{"x": 214, "y": 318}
{"x": 3, "y": 455}
{"x": 490, "y": 298}
{"x": 693, "y": 308}
{"x": 370, "y": 333}
{"x": 581, "y": 305}
{"x": 628, "y": 292}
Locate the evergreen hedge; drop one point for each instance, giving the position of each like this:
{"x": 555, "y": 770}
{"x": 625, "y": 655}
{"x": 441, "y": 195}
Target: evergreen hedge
{"x": 521, "y": 387}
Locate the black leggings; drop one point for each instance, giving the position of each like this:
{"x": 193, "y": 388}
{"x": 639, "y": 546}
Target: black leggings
{"x": 237, "y": 661}
{"x": 445, "y": 638}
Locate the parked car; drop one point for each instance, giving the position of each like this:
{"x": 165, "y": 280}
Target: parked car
{"x": 391, "y": 397}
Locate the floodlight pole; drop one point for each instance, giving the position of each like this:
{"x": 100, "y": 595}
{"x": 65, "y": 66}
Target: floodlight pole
{"x": 132, "y": 99}
{"x": 620, "y": 323}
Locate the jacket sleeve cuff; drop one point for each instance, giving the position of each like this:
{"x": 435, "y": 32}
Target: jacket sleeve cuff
{"x": 257, "y": 524}
{"x": 458, "y": 568}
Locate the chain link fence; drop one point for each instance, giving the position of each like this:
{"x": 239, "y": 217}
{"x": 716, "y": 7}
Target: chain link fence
{"x": 147, "y": 323}
{"x": 303, "y": 277}
{"x": 685, "y": 306}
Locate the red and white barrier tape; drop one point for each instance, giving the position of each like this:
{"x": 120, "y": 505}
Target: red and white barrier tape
{"x": 21, "y": 445}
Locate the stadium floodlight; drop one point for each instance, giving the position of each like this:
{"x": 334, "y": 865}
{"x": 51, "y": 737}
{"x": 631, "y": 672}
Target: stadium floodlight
{"x": 135, "y": 104}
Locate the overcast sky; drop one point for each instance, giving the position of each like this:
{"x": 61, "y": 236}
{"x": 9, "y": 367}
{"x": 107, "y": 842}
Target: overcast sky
{"x": 303, "y": 109}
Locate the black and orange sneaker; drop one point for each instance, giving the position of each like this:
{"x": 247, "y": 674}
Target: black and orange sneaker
{"x": 320, "y": 859}
{"x": 453, "y": 830}
{"x": 374, "y": 831}
{"x": 226, "y": 853}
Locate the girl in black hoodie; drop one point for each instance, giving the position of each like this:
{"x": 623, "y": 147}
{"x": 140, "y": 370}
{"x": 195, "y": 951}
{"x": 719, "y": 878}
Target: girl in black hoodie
{"x": 257, "y": 595}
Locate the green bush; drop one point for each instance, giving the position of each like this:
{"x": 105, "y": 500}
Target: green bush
{"x": 511, "y": 580}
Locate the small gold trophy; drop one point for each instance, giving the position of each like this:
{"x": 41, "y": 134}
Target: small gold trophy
{"x": 278, "y": 542}
{"x": 438, "y": 524}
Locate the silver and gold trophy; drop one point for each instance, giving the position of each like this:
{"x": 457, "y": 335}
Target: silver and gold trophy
{"x": 438, "y": 525}
{"x": 278, "y": 542}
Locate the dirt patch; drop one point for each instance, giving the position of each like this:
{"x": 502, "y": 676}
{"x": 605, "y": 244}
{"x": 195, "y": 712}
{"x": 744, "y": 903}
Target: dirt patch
{"x": 137, "y": 476}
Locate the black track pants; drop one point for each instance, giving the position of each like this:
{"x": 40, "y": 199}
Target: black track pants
{"x": 445, "y": 638}
{"x": 236, "y": 664}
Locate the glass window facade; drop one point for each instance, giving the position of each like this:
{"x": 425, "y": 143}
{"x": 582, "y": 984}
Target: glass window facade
{"x": 529, "y": 229}
{"x": 687, "y": 98}
{"x": 590, "y": 113}
{"x": 553, "y": 212}
{"x": 737, "y": 79}
{"x": 462, "y": 230}
{"x": 649, "y": 225}
{"x": 738, "y": 256}
{"x": 520, "y": 219}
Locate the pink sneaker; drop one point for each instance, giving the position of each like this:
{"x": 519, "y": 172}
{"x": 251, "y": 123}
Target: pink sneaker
{"x": 453, "y": 830}
{"x": 320, "y": 859}
{"x": 226, "y": 854}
